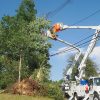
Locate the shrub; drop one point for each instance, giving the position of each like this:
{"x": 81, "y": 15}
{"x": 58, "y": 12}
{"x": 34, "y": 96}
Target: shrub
{"x": 53, "y": 91}
{"x": 34, "y": 88}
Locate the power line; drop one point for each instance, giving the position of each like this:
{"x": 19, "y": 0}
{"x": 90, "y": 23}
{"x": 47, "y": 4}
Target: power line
{"x": 71, "y": 48}
{"x": 54, "y": 12}
{"x": 58, "y": 9}
{"x": 83, "y": 39}
{"x": 87, "y": 17}
{"x": 78, "y": 42}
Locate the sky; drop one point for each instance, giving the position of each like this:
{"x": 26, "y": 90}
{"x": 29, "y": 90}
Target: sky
{"x": 73, "y": 12}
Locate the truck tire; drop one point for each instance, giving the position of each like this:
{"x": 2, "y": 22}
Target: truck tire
{"x": 66, "y": 95}
{"x": 75, "y": 97}
{"x": 96, "y": 97}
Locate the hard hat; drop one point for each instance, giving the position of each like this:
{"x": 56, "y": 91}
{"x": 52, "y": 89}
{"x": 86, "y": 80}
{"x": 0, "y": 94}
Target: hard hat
{"x": 56, "y": 27}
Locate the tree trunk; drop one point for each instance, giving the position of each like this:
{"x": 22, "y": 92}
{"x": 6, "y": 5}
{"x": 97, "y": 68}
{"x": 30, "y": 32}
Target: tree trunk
{"x": 20, "y": 65}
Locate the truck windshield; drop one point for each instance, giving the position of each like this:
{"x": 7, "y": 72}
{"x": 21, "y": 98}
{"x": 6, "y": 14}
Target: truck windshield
{"x": 97, "y": 81}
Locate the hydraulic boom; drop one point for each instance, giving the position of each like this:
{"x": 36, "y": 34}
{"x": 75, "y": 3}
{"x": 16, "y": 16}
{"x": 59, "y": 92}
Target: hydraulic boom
{"x": 59, "y": 27}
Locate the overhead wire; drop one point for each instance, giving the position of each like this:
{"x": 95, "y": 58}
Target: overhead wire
{"x": 78, "y": 42}
{"x": 83, "y": 39}
{"x": 68, "y": 49}
{"x": 87, "y": 17}
{"x": 71, "y": 48}
{"x": 58, "y": 9}
{"x": 81, "y": 20}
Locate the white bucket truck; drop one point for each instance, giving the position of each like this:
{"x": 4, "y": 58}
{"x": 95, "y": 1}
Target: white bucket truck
{"x": 79, "y": 89}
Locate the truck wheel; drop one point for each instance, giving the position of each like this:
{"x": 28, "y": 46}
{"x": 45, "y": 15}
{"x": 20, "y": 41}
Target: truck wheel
{"x": 96, "y": 97}
{"x": 66, "y": 95}
{"x": 75, "y": 97}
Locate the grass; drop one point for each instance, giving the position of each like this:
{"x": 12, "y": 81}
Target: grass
{"x": 21, "y": 97}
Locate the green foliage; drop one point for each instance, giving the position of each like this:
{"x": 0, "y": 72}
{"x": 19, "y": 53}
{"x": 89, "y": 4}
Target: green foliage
{"x": 41, "y": 74}
{"x": 8, "y": 73}
{"x": 90, "y": 69}
{"x": 20, "y": 36}
{"x": 53, "y": 90}
{"x": 27, "y": 11}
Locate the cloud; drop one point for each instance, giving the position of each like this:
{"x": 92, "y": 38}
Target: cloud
{"x": 60, "y": 49}
{"x": 66, "y": 53}
{"x": 95, "y": 55}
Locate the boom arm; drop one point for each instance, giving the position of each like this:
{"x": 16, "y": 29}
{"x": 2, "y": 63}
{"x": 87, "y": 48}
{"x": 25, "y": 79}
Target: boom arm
{"x": 67, "y": 43}
{"x": 76, "y": 58}
{"x": 90, "y": 48}
{"x": 59, "y": 27}
{"x": 80, "y": 27}
{"x": 69, "y": 72}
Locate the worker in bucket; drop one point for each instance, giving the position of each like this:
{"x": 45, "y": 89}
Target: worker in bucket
{"x": 52, "y": 32}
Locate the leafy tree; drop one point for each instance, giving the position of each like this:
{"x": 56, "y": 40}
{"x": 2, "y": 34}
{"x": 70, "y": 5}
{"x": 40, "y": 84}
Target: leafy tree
{"x": 27, "y": 11}
{"x": 8, "y": 71}
{"x": 90, "y": 69}
{"x": 22, "y": 44}
{"x": 41, "y": 55}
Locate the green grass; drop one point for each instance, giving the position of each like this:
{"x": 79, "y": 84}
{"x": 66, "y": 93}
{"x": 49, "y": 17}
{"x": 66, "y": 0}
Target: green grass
{"x": 19, "y": 97}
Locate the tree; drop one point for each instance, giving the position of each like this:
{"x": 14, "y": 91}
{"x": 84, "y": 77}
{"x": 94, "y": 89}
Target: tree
{"x": 27, "y": 11}
{"x": 27, "y": 44}
{"x": 90, "y": 69}
{"x": 41, "y": 47}
{"x": 22, "y": 44}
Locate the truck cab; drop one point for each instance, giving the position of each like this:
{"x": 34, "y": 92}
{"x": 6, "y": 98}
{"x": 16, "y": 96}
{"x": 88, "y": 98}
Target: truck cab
{"x": 94, "y": 85}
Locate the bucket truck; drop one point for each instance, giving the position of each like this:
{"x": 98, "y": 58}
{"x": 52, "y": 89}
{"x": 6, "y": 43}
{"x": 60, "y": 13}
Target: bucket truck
{"x": 75, "y": 90}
